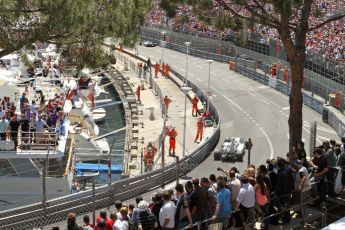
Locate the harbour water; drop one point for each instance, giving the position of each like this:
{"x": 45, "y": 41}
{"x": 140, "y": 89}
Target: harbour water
{"x": 115, "y": 119}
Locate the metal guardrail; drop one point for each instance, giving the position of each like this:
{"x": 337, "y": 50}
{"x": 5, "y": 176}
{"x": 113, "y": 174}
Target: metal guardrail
{"x": 84, "y": 202}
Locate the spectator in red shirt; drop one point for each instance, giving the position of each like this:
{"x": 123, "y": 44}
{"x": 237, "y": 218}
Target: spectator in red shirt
{"x": 108, "y": 222}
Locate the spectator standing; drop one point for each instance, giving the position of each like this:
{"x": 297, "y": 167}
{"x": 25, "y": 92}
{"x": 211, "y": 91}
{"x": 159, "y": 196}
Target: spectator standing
{"x": 22, "y": 102}
{"x": 223, "y": 208}
{"x": 199, "y": 203}
{"x": 284, "y": 187}
{"x": 113, "y": 217}
{"x": 118, "y": 206}
{"x": 3, "y": 127}
{"x": 136, "y": 211}
{"x": 14, "y": 127}
{"x": 302, "y": 186}
{"x": 211, "y": 194}
{"x": 301, "y": 154}
{"x": 235, "y": 187}
{"x": 71, "y": 222}
{"x": 319, "y": 164}
{"x": 149, "y": 64}
{"x": 183, "y": 217}
{"x": 331, "y": 163}
{"x": 341, "y": 165}
{"x": 108, "y": 222}
{"x": 342, "y": 146}
{"x": 263, "y": 171}
{"x": 87, "y": 225}
{"x": 123, "y": 223}
{"x": 157, "y": 205}
{"x": 167, "y": 212}
{"x": 140, "y": 69}
{"x": 146, "y": 219}
{"x": 130, "y": 211}
{"x": 25, "y": 127}
{"x": 2, "y": 112}
{"x": 262, "y": 195}
{"x": 246, "y": 202}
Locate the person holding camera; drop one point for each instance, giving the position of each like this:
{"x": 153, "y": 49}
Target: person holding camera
{"x": 320, "y": 169}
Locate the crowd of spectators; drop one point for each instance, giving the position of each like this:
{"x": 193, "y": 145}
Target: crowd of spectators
{"x": 33, "y": 120}
{"x": 268, "y": 194}
{"x": 327, "y": 40}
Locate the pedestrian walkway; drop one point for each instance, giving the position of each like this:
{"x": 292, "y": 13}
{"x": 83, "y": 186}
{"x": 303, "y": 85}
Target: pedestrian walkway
{"x": 153, "y": 128}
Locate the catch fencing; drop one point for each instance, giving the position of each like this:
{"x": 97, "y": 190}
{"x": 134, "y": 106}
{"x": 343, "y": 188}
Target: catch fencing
{"x": 56, "y": 210}
{"x": 242, "y": 66}
{"x": 322, "y": 76}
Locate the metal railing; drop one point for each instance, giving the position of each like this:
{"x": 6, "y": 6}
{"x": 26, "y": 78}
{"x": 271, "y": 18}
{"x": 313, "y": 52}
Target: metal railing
{"x": 84, "y": 202}
{"x": 32, "y": 140}
{"x": 275, "y": 202}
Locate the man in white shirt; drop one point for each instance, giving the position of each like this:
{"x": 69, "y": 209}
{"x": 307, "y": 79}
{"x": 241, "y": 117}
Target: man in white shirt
{"x": 302, "y": 186}
{"x": 167, "y": 212}
{"x": 246, "y": 202}
{"x": 3, "y": 127}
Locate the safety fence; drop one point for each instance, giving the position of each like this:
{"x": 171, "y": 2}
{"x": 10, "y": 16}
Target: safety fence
{"x": 274, "y": 49}
{"x": 324, "y": 77}
{"x": 248, "y": 69}
{"x": 55, "y": 210}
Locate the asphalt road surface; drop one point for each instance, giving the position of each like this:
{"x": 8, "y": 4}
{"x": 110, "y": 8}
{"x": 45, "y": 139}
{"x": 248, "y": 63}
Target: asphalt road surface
{"x": 246, "y": 108}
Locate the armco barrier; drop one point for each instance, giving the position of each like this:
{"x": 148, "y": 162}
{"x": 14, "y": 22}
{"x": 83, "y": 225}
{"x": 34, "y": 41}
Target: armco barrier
{"x": 245, "y": 68}
{"x": 31, "y": 216}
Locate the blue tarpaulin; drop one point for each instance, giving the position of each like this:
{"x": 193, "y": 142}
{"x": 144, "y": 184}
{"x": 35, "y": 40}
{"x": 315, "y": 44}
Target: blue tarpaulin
{"x": 81, "y": 168}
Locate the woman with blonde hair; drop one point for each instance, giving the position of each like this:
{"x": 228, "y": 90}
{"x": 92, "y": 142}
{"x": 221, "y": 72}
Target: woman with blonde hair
{"x": 262, "y": 195}
{"x": 123, "y": 223}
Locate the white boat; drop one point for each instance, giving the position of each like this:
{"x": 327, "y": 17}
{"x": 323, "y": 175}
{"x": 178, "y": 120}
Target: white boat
{"x": 99, "y": 115}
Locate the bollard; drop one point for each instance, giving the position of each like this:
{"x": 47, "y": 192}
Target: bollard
{"x": 93, "y": 202}
{"x": 152, "y": 113}
{"x": 249, "y": 146}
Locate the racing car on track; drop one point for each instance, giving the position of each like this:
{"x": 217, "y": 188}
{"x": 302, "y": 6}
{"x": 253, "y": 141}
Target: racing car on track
{"x": 233, "y": 149}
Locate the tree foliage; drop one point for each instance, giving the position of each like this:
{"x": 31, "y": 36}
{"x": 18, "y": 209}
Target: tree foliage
{"x": 74, "y": 25}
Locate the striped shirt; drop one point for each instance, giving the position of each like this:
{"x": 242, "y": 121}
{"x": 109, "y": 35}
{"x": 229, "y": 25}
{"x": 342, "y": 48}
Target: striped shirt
{"x": 147, "y": 220}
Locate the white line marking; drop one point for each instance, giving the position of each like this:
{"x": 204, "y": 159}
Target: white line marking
{"x": 286, "y": 108}
{"x": 269, "y": 142}
{"x": 317, "y": 139}
{"x": 191, "y": 74}
{"x": 266, "y": 102}
{"x": 251, "y": 94}
{"x": 198, "y": 79}
{"x": 261, "y": 129}
{"x": 307, "y": 124}
{"x": 225, "y": 80}
{"x": 324, "y": 138}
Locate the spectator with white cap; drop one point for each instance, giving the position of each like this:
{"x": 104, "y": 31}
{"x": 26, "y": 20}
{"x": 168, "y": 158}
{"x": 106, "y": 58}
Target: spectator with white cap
{"x": 146, "y": 219}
